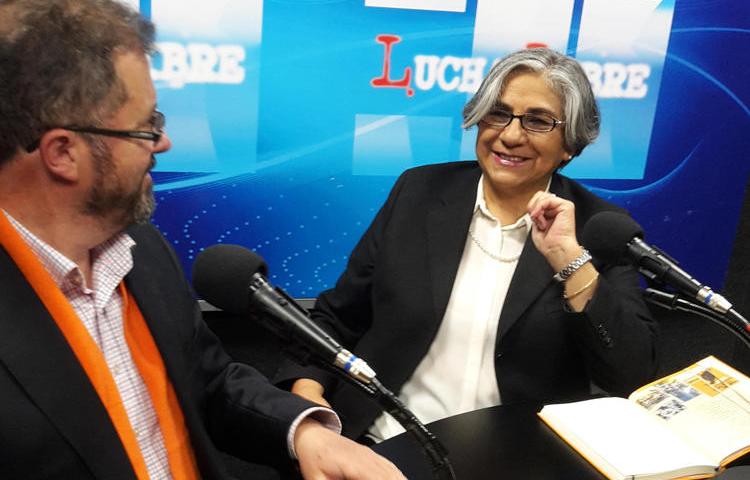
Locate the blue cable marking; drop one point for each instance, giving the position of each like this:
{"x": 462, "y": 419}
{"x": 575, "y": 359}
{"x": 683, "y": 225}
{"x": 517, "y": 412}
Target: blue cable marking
{"x": 708, "y": 298}
{"x": 349, "y": 362}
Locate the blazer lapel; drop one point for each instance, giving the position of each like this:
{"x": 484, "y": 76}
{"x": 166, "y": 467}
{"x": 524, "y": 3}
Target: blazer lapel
{"x": 533, "y": 274}
{"x": 447, "y": 226}
{"x": 35, "y": 352}
{"x": 143, "y": 283}
{"x": 169, "y": 321}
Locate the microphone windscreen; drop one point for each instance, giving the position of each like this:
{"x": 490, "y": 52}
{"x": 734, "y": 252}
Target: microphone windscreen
{"x": 222, "y": 275}
{"x": 607, "y": 234}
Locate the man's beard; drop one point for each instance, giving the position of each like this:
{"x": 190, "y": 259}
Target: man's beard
{"x": 109, "y": 200}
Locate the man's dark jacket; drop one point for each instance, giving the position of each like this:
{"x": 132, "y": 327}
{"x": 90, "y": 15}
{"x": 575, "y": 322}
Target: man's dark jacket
{"x": 52, "y": 423}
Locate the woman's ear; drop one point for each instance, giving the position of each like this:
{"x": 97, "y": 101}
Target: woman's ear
{"x": 565, "y": 160}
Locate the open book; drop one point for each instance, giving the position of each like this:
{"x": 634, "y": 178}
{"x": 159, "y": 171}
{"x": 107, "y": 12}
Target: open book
{"x": 687, "y": 425}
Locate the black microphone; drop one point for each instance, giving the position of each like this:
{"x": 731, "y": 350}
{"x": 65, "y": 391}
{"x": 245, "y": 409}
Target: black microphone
{"x": 232, "y": 278}
{"x": 612, "y": 237}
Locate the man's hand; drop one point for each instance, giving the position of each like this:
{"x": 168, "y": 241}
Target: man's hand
{"x": 325, "y": 455}
{"x": 310, "y": 390}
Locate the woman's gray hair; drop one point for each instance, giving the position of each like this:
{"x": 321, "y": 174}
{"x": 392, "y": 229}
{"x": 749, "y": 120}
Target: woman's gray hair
{"x": 565, "y": 77}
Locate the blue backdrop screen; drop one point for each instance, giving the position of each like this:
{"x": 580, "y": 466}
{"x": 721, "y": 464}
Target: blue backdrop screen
{"x": 291, "y": 119}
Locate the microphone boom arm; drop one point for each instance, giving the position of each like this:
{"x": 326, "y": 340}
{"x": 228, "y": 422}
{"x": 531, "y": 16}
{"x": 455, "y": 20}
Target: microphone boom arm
{"x": 334, "y": 358}
{"x": 433, "y": 449}
{"x": 671, "y": 301}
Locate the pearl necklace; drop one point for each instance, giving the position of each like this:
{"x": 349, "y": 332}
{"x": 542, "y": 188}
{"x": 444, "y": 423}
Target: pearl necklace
{"x": 490, "y": 254}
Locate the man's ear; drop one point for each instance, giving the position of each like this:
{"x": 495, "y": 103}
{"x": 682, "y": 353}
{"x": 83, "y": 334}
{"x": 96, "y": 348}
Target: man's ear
{"x": 61, "y": 153}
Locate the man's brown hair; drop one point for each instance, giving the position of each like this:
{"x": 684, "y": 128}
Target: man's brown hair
{"x": 57, "y": 65}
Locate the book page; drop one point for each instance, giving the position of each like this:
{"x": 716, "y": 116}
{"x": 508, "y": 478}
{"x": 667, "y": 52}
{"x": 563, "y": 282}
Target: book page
{"x": 625, "y": 435}
{"x": 708, "y": 404}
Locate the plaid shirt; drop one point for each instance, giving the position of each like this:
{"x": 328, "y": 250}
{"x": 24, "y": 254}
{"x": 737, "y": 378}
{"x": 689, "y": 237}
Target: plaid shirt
{"x": 99, "y": 306}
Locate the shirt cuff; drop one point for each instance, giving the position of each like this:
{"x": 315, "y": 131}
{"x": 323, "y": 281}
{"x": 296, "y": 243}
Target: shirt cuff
{"x": 325, "y": 416}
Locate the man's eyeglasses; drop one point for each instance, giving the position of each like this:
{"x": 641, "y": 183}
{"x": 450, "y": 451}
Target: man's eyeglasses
{"x": 158, "y": 122}
{"x": 533, "y": 122}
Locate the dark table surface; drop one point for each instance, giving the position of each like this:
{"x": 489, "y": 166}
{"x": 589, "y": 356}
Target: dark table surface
{"x": 505, "y": 442}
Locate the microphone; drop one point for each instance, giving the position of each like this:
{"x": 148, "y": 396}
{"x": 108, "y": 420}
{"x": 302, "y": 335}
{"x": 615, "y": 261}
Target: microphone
{"x": 612, "y": 236}
{"x": 233, "y": 278}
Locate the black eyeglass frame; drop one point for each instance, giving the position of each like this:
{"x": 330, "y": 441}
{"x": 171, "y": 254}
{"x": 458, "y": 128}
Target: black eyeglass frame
{"x": 522, "y": 118}
{"x": 160, "y": 122}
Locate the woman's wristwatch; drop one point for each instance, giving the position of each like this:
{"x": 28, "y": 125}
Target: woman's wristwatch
{"x": 570, "y": 268}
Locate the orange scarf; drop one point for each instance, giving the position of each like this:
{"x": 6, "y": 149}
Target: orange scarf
{"x": 142, "y": 348}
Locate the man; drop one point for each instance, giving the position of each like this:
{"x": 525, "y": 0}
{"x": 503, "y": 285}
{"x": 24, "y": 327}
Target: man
{"x": 106, "y": 368}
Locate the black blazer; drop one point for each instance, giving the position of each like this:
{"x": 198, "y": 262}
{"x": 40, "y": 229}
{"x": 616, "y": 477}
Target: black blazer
{"x": 52, "y": 423}
{"x": 389, "y": 302}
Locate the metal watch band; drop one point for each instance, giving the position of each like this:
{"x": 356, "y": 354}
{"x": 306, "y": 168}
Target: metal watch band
{"x": 577, "y": 263}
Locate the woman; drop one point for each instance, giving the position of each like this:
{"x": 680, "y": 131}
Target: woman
{"x": 470, "y": 288}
